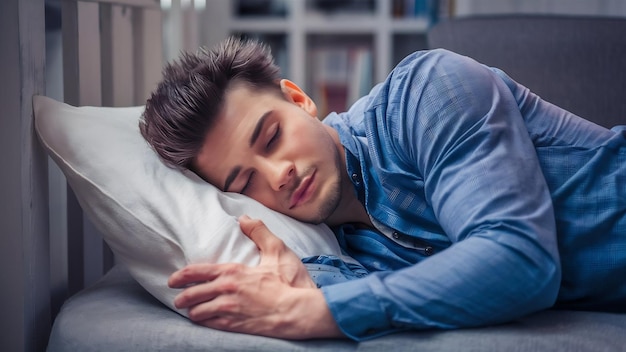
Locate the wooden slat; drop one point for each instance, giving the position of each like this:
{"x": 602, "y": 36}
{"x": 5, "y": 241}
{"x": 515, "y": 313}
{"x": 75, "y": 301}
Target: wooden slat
{"x": 82, "y": 86}
{"x": 123, "y": 50}
{"x": 34, "y": 196}
{"x": 71, "y": 93}
{"x": 117, "y": 55}
{"x": 81, "y": 53}
{"x": 132, "y": 52}
{"x": 106, "y": 48}
{"x": 148, "y": 52}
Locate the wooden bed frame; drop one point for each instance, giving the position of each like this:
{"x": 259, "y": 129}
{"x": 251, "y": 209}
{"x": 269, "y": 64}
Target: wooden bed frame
{"x": 112, "y": 52}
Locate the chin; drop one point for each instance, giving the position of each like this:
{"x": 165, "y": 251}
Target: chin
{"x": 328, "y": 207}
{"x": 310, "y": 218}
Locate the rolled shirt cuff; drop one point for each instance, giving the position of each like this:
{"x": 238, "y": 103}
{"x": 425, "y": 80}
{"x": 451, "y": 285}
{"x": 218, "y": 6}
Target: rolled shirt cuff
{"x": 357, "y": 309}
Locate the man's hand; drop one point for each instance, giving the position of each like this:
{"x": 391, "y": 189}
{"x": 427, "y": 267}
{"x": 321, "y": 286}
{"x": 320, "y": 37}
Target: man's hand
{"x": 276, "y": 298}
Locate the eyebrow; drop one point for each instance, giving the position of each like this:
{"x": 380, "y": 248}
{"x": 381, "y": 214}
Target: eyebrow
{"x": 255, "y": 135}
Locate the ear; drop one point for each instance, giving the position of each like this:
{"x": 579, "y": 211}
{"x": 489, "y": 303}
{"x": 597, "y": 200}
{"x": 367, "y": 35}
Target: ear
{"x": 296, "y": 95}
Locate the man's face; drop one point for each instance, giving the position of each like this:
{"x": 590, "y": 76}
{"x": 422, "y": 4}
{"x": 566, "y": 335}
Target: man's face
{"x": 276, "y": 151}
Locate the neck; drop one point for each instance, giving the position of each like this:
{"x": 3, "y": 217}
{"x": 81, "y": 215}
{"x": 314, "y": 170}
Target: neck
{"x": 349, "y": 210}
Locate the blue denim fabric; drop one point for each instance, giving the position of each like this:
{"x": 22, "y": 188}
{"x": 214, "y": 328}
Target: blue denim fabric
{"x": 329, "y": 270}
{"x": 490, "y": 202}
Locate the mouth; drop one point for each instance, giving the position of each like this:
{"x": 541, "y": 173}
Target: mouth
{"x": 304, "y": 191}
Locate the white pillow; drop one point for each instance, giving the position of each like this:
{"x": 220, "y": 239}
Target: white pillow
{"x": 156, "y": 219}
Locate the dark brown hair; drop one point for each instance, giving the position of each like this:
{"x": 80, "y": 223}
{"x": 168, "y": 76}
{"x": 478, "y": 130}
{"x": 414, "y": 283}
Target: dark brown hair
{"x": 184, "y": 106}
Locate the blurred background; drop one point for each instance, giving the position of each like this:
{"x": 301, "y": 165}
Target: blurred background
{"x": 335, "y": 49}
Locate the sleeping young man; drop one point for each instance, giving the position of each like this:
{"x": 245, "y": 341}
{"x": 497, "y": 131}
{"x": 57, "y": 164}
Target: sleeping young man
{"x": 469, "y": 199}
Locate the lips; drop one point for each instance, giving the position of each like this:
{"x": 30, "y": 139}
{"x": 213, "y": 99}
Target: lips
{"x": 303, "y": 192}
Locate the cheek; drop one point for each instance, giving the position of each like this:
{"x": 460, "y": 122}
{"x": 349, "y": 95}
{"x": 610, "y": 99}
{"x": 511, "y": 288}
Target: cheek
{"x": 273, "y": 203}
{"x": 309, "y": 139}
{"x": 263, "y": 195}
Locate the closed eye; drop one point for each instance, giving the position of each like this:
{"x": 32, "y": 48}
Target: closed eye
{"x": 249, "y": 183}
{"x": 274, "y": 138}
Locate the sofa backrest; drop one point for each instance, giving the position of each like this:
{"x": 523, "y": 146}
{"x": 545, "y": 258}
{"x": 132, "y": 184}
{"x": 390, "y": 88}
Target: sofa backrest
{"x": 578, "y": 63}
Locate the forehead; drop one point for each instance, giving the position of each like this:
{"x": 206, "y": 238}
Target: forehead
{"x": 243, "y": 102}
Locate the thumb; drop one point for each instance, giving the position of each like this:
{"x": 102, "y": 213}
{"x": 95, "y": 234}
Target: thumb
{"x": 264, "y": 239}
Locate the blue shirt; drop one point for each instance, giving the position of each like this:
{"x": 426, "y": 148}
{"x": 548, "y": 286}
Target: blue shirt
{"x": 489, "y": 202}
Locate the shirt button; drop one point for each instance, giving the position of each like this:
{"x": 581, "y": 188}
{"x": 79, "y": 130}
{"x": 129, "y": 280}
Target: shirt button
{"x": 429, "y": 250}
{"x": 356, "y": 178}
{"x": 396, "y": 234}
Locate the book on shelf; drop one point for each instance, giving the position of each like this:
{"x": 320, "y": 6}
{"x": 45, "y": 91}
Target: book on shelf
{"x": 333, "y": 7}
{"x": 433, "y": 10}
{"x": 340, "y": 76}
{"x": 261, "y": 8}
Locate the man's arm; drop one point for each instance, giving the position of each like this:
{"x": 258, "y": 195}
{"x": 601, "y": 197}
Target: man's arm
{"x": 276, "y": 298}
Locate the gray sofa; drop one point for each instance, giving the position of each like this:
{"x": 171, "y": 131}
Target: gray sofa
{"x": 117, "y": 314}
{"x": 575, "y": 62}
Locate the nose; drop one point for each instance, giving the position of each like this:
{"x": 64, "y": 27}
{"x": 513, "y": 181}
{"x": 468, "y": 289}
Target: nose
{"x": 279, "y": 173}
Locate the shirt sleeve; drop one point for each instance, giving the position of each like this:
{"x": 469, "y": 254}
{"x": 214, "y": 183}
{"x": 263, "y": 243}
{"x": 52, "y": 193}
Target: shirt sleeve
{"x": 454, "y": 122}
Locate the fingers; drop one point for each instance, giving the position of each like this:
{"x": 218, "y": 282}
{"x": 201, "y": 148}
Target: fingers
{"x": 221, "y": 309}
{"x": 204, "y": 282}
{"x": 195, "y": 295}
{"x": 265, "y": 240}
{"x": 194, "y": 274}
{"x": 190, "y": 275}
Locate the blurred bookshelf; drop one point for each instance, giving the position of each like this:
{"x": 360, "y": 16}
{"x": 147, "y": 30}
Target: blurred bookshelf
{"x": 336, "y": 49}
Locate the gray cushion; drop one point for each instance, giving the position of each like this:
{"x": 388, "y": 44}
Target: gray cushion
{"x": 116, "y": 314}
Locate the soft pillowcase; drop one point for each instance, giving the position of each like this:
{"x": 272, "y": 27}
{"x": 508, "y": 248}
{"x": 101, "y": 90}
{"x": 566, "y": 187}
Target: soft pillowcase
{"x": 156, "y": 219}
